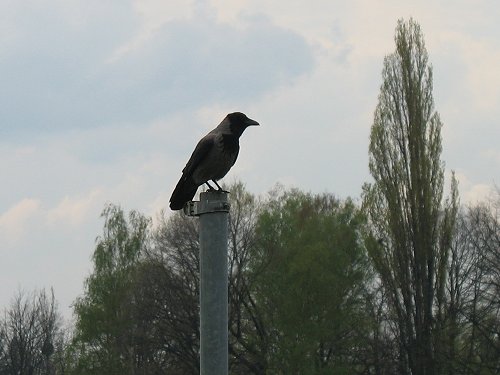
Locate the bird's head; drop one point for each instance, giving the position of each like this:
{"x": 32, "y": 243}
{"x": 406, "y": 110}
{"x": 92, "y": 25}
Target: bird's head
{"x": 238, "y": 122}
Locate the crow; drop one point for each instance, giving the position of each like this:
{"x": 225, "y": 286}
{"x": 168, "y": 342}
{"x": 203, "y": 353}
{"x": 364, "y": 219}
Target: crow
{"x": 212, "y": 158}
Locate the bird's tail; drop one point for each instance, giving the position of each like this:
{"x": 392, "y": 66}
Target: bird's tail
{"x": 183, "y": 192}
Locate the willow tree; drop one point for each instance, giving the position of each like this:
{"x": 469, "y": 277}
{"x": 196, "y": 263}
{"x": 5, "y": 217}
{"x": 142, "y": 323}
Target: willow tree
{"x": 410, "y": 224}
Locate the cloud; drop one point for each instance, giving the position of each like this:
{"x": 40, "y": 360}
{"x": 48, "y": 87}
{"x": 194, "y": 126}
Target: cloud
{"x": 473, "y": 192}
{"x": 13, "y": 222}
{"x": 155, "y": 13}
{"x": 55, "y": 48}
{"x": 73, "y": 210}
{"x": 478, "y": 59}
{"x": 478, "y": 193}
{"x": 492, "y": 155}
{"x": 187, "y": 64}
{"x": 88, "y": 74}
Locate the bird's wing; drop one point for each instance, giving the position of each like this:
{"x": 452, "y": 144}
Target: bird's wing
{"x": 200, "y": 152}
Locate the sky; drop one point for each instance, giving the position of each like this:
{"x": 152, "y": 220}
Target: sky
{"x": 103, "y": 102}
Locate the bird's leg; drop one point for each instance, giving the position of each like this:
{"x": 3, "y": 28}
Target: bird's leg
{"x": 220, "y": 189}
{"x": 210, "y": 187}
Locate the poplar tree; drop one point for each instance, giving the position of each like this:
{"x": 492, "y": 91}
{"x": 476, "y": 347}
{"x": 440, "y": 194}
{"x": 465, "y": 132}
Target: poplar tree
{"x": 411, "y": 226}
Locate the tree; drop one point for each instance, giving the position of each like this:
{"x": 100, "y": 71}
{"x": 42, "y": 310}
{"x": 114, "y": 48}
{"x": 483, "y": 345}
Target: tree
{"x": 171, "y": 293}
{"x": 311, "y": 275}
{"x": 472, "y": 313}
{"x": 105, "y": 332}
{"x": 266, "y": 300}
{"x": 248, "y": 339}
{"x": 168, "y": 293}
{"x": 140, "y": 310}
{"x": 30, "y": 335}
{"x": 411, "y": 228}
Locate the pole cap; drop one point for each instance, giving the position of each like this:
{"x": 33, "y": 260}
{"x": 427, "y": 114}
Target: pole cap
{"x": 210, "y": 201}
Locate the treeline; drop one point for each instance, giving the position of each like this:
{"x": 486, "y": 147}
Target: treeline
{"x": 304, "y": 297}
{"x": 403, "y": 282}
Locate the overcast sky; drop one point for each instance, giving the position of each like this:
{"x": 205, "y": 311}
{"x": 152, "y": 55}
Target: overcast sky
{"x": 104, "y": 101}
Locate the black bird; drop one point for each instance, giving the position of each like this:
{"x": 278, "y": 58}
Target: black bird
{"x": 212, "y": 158}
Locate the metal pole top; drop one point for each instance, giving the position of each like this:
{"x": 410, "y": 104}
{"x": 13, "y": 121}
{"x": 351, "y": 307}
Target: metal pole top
{"x": 210, "y": 201}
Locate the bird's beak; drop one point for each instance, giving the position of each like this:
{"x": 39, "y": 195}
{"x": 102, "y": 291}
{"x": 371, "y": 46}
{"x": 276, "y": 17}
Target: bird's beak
{"x": 251, "y": 122}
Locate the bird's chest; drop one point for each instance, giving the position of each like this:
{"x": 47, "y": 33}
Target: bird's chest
{"x": 225, "y": 152}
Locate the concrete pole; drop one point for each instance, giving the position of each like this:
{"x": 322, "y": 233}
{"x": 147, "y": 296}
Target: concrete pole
{"x": 213, "y": 210}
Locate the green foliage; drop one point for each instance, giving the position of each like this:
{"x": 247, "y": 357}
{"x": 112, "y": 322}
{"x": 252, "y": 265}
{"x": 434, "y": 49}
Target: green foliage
{"x": 302, "y": 297}
{"x": 104, "y": 321}
{"x": 314, "y": 275}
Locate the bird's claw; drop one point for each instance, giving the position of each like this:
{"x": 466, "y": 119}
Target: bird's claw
{"x": 210, "y": 187}
{"x": 219, "y": 189}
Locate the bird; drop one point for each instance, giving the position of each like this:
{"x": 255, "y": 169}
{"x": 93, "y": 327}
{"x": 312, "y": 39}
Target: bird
{"x": 212, "y": 158}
